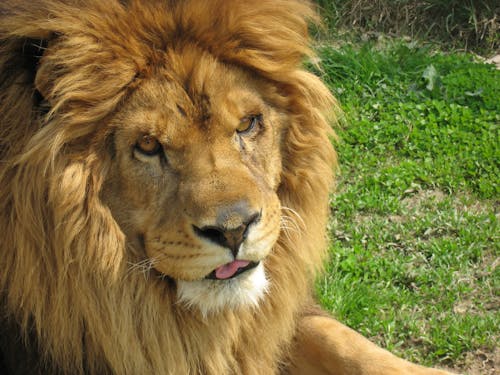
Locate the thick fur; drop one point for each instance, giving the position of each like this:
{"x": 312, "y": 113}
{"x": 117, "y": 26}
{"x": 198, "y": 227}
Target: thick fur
{"x": 68, "y": 290}
{"x": 65, "y": 262}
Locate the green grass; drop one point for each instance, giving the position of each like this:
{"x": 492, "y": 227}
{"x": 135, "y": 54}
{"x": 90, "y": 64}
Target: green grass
{"x": 415, "y": 237}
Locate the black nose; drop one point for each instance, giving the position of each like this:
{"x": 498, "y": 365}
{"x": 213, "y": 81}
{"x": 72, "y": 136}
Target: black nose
{"x": 224, "y": 236}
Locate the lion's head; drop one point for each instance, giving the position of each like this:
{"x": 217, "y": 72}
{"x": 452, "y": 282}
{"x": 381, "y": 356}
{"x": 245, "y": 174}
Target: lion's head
{"x": 164, "y": 164}
{"x": 194, "y": 176}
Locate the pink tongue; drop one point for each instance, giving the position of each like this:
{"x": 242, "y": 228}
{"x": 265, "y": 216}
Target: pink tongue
{"x": 229, "y": 269}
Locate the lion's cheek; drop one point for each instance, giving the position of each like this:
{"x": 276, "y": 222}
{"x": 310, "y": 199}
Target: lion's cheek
{"x": 260, "y": 242}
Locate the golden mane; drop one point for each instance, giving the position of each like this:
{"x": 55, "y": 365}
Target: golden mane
{"x": 65, "y": 285}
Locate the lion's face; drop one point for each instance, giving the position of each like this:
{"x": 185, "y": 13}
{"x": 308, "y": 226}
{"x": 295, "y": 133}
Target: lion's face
{"x": 195, "y": 167}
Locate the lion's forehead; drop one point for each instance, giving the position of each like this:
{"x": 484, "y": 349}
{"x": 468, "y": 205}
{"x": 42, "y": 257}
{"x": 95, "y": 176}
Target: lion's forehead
{"x": 176, "y": 111}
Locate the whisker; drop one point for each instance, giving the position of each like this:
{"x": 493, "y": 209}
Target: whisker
{"x": 287, "y": 222}
{"x": 296, "y": 215}
{"x": 286, "y": 232}
{"x": 144, "y": 266}
{"x": 291, "y": 223}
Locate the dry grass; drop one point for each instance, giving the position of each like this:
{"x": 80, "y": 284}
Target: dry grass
{"x": 467, "y": 24}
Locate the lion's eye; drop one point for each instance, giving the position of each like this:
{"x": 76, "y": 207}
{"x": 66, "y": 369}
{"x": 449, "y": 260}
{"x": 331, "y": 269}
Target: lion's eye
{"x": 148, "y": 145}
{"x": 247, "y": 124}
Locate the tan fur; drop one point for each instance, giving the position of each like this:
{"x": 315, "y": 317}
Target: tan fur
{"x": 96, "y": 237}
{"x": 325, "y": 347}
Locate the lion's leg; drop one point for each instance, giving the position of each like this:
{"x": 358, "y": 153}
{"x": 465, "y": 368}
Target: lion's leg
{"x": 323, "y": 346}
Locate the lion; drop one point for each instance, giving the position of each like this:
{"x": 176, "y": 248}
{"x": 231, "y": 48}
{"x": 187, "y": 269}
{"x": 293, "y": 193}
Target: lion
{"x": 165, "y": 172}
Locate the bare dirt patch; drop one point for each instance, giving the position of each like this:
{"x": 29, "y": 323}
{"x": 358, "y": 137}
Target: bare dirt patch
{"x": 462, "y": 202}
{"x": 481, "y": 363}
{"x": 416, "y": 201}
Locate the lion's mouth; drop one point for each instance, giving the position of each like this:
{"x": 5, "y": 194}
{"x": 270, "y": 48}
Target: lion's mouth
{"x": 230, "y": 270}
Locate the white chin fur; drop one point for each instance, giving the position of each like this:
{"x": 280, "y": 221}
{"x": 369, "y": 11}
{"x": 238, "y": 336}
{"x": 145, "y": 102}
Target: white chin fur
{"x": 212, "y": 296}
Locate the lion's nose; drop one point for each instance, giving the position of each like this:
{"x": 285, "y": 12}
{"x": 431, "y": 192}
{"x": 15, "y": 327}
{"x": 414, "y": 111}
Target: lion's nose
{"x": 225, "y": 233}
